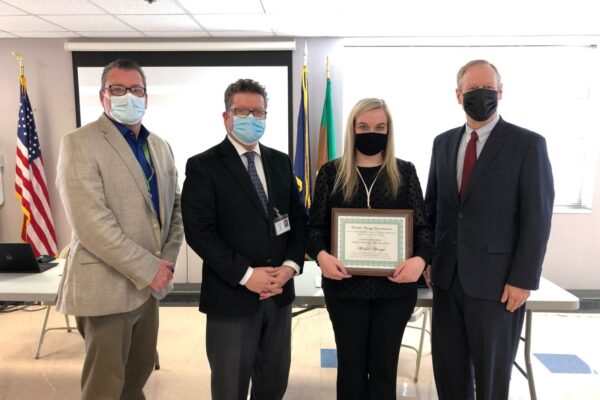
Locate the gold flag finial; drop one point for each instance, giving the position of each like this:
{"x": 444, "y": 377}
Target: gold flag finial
{"x": 22, "y": 81}
{"x": 21, "y": 61}
{"x": 305, "y": 54}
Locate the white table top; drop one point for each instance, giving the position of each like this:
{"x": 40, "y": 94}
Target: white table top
{"x": 31, "y": 286}
{"x": 44, "y": 287}
{"x": 549, "y": 297}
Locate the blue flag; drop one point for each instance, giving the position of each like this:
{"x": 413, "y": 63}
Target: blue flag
{"x": 302, "y": 158}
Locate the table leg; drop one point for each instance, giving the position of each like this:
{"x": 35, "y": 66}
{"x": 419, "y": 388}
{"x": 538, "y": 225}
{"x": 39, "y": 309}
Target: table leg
{"x": 68, "y": 323}
{"x": 530, "y": 381}
{"x": 43, "y": 333}
{"x": 420, "y": 352}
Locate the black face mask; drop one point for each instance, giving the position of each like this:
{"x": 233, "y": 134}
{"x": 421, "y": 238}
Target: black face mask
{"x": 370, "y": 143}
{"x": 480, "y": 104}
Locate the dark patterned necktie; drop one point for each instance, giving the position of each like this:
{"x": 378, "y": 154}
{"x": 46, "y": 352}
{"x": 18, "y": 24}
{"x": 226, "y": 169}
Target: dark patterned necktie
{"x": 256, "y": 180}
{"x": 469, "y": 164}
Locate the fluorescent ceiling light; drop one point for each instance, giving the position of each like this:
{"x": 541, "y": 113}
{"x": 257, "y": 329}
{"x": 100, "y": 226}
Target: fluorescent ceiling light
{"x": 271, "y": 45}
{"x": 460, "y": 41}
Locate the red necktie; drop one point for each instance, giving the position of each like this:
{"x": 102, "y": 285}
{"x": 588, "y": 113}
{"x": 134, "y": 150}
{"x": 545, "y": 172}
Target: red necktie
{"x": 469, "y": 164}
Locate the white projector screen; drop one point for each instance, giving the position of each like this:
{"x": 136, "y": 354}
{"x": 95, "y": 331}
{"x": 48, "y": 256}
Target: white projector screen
{"x": 185, "y": 104}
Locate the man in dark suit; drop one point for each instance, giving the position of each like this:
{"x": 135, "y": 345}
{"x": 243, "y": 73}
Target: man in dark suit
{"x": 489, "y": 196}
{"x": 242, "y": 214}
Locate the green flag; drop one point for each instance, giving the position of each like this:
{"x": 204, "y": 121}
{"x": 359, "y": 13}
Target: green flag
{"x": 326, "y": 149}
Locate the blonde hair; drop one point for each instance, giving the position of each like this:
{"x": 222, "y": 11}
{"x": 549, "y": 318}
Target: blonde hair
{"x": 347, "y": 177}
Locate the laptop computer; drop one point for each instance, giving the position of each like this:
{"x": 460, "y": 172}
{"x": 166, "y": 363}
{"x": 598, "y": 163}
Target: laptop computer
{"x": 19, "y": 257}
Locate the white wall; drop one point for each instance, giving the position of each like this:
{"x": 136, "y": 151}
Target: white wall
{"x": 574, "y": 246}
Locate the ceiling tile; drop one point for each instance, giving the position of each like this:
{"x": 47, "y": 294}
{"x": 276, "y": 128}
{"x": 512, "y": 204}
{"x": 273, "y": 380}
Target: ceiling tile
{"x": 237, "y": 22}
{"x": 27, "y": 23}
{"x": 176, "y": 34}
{"x": 332, "y": 7}
{"x": 139, "y": 7}
{"x": 114, "y": 34}
{"x": 5, "y": 9}
{"x": 241, "y": 33}
{"x": 56, "y": 7}
{"x": 94, "y": 23}
{"x": 161, "y": 22}
{"x": 223, "y": 6}
{"x": 48, "y": 34}
{"x": 320, "y": 25}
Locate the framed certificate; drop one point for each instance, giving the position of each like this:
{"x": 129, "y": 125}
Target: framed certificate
{"x": 371, "y": 242}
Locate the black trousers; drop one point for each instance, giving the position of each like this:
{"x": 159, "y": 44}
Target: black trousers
{"x": 368, "y": 334}
{"x": 473, "y": 340}
{"x": 256, "y": 347}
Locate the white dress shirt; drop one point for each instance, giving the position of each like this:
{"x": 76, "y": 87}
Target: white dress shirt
{"x": 260, "y": 170}
{"x": 483, "y": 134}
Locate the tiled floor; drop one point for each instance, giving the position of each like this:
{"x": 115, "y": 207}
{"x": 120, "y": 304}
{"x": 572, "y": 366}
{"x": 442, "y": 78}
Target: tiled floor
{"x": 564, "y": 343}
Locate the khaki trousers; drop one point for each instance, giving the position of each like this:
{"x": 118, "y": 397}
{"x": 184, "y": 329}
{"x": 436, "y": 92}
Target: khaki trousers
{"x": 119, "y": 353}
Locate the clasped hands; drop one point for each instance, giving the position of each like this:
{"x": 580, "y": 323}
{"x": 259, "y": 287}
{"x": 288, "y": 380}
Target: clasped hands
{"x": 163, "y": 276}
{"x": 269, "y": 281}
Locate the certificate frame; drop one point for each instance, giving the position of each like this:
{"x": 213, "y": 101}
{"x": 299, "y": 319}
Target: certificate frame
{"x": 371, "y": 242}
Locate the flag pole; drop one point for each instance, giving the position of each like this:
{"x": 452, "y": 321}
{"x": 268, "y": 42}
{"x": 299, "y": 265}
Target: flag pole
{"x": 305, "y": 54}
{"x": 21, "y": 61}
{"x": 327, "y": 67}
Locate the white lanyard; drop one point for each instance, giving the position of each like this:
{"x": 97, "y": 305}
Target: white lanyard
{"x": 368, "y": 190}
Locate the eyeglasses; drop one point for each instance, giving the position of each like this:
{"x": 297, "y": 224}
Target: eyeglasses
{"x": 118, "y": 90}
{"x": 244, "y": 112}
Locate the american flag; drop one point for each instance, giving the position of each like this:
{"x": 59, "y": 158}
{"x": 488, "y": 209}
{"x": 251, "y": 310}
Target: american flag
{"x": 30, "y": 183}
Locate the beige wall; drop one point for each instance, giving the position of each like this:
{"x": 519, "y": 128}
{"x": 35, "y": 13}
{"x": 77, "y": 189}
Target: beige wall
{"x": 573, "y": 255}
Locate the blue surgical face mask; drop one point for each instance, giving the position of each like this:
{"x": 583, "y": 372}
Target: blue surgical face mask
{"x": 127, "y": 109}
{"x": 248, "y": 130}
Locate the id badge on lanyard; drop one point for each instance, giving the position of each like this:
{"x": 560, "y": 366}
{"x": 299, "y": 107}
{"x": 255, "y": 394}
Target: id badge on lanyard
{"x": 281, "y": 222}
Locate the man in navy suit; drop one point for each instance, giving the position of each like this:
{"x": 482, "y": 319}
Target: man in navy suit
{"x": 242, "y": 214}
{"x": 489, "y": 196}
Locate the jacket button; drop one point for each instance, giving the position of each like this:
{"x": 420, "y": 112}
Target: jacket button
{"x": 157, "y": 253}
{"x": 269, "y": 260}
{"x": 454, "y": 242}
{"x": 460, "y": 215}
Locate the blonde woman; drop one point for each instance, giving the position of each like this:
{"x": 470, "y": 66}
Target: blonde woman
{"x": 368, "y": 314}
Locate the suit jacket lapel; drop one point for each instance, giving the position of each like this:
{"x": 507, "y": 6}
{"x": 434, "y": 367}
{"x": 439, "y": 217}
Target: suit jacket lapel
{"x": 491, "y": 147}
{"x": 118, "y": 142}
{"x": 160, "y": 177}
{"x": 265, "y": 155}
{"x": 233, "y": 162}
{"x": 455, "y": 139}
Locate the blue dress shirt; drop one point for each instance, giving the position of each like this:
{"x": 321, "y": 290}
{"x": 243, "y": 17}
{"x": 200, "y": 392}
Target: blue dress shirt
{"x": 137, "y": 147}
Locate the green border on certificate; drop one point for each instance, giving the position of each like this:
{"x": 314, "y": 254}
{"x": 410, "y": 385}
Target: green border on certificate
{"x": 371, "y": 242}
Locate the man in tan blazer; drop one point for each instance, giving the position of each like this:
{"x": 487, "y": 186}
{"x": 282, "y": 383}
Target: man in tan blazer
{"x": 118, "y": 184}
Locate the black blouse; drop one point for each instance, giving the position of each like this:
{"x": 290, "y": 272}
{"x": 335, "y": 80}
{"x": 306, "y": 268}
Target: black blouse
{"x": 409, "y": 197}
